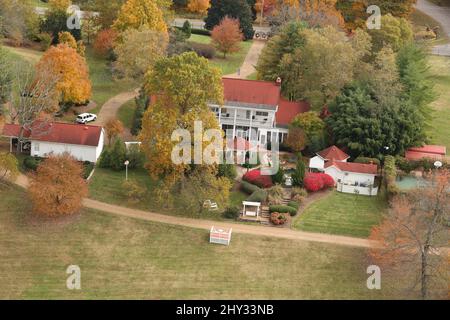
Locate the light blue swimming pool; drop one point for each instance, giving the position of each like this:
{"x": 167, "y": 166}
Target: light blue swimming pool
{"x": 410, "y": 182}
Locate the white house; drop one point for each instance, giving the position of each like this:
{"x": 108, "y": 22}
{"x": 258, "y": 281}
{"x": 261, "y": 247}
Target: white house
{"x": 255, "y": 110}
{"x": 83, "y": 142}
{"x": 317, "y": 163}
{"x": 349, "y": 177}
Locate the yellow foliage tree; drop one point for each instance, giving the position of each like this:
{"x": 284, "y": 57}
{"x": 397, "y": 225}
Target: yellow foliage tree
{"x": 136, "y": 14}
{"x": 67, "y": 38}
{"x": 183, "y": 86}
{"x": 73, "y": 84}
{"x": 59, "y": 5}
{"x": 199, "y": 6}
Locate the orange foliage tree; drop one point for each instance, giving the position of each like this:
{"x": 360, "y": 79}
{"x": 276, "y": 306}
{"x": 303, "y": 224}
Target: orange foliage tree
{"x": 104, "y": 42}
{"x": 73, "y": 85}
{"x": 414, "y": 237}
{"x": 58, "y": 188}
{"x": 113, "y": 128}
{"x": 199, "y": 6}
{"x": 226, "y": 36}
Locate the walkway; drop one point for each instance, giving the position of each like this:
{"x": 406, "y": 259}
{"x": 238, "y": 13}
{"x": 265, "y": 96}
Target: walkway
{"x": 256, "y": 230}
{"x": 111, "y": 107}
{"x": 251, "y": 59}
{"x": 440, "y": 14}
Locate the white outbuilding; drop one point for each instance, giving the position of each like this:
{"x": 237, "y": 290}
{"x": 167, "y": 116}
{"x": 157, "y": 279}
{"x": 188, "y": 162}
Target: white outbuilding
{"x": 83, "y": 142}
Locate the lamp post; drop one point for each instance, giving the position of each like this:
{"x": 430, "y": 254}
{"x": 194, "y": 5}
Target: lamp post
{"x": 126, "y": 163}
{"x": 438, "y": 164}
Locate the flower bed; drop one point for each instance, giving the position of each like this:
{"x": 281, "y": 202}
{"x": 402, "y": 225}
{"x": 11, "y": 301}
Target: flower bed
{"x": 278, "y": 219}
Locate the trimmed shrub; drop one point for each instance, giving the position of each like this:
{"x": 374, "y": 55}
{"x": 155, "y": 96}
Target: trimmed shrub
{"x": 203, "y": 50}
{"x": 227, "y": 170}
{"x": 258, "y": 196}
{"x": 248, "y": 187}
{"x": 256, "y": 178}
{"x": 231, "y": 213}
{"x": 31, "y": 163}
{"x": 318, "y": 181}
{"x": 278, "y": 218}
{"x": 293, "y": 204}
{"x": 283, "y": 209}
{"x": 279, "y": 176}
{"x": 299, "y": 192}
{"x": 187, "y": 29}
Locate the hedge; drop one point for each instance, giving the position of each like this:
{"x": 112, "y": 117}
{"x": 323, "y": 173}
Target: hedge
{"x": 293, "y": 204}
{"x": 203, "y": 50}
{"x": 198, "y": 31}
{"x": 249, "y": 188}
{"x": 256, "y": 178}
{"x": 283, "y": 209}
{"x": 258, "y": 196}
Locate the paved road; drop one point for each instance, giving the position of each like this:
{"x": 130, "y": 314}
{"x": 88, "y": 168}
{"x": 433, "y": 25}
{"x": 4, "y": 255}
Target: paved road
{"x": 200, "y": 24}
{"x": 440, "y": 14}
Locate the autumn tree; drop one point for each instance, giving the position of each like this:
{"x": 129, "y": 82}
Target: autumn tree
{"x": 310, "y": 124}
{"x": 35, "y": 97}
{"x": 182, "y": 87}
{"x": 104, "y": 42}
{"x": 414, "y": 237}
{"x": 198, "y": 6}
{"x": 58, "y": 188}
{"x": 296, "y": 139}
{"x": 113, "y": 128}
{"x": 396, "y": 33}
{"x": 73, "y": 85}
{"x": 18, "y": 21}
{"x": 145, "y": 46}
{"x": 5, "y": 77}
{"x": 236, "y": 9}
{"x": 316, "y": 13}
{"x": 136, "y": 14}
{"x": 226, "y": 36}
{"x": 9, "y": 168}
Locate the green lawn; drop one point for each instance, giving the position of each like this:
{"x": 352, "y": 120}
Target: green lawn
{"x": 106, "y": 186}
{"x": 232, "y": 62}
{"x": 126, "y": 113}
{"x": 124, "y": 258}
{"x": 342, "y": 214}
{"x": 440, "y": 126}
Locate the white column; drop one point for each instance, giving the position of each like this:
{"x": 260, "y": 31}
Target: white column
{"x": 10, "y": 144}
{"x": 250, "y": 127}
{"x": 234, "y": 123}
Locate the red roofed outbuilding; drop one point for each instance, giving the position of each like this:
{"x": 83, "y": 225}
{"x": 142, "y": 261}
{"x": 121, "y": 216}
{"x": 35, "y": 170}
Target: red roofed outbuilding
{"x": 83, "y": 142}
{"x": 433, "y": 152}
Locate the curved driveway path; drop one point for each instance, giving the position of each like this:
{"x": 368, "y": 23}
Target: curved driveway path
{"x": 257, "y": 230}
{"x": 110, "y": 107}
{"x": 251, "y": 59}
{"x": 440, "y": 14}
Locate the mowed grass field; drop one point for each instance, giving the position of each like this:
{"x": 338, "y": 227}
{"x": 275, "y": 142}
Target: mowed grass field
{"x": 232, "y": 62}
{"x": 440, "y": 125}
{"x": 124, "y": 258}
{"x": 342, "y": 214}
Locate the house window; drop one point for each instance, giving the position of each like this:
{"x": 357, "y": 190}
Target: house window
{"x": 36, "y": 147}
{"x": 262, "y": 114}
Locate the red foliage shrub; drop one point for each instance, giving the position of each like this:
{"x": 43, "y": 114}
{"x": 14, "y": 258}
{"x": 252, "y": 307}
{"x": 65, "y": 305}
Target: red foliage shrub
{"x": 255, "y": 177}
{"x": 318, "y": 181}
{"x": 105, "y": 41}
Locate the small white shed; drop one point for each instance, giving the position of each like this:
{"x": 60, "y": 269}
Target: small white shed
{"x": 251, "y": 209}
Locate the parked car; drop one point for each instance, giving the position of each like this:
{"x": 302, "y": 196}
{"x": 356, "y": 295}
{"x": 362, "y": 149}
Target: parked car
{"x": 85, "y": 118}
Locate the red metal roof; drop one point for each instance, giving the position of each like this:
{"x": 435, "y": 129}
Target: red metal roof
{"x": 414, "y": 155}
{"x": 57, "y": 132}
{"x": 287, "y": 110}
{"x": 333, "y": 153}
{"x": 434, "y": 149}
{"x": 354, "y": 167}
{"x": 251, "y": 91}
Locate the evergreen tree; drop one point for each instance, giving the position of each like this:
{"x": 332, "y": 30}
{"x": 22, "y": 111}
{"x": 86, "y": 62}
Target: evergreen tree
{"x": 237, "y": 9}
{"x": 187, "y": 29}
{"x": 299, "y": 173}
{"x": 117, "y": 155}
